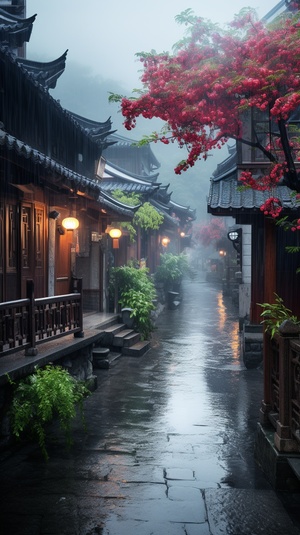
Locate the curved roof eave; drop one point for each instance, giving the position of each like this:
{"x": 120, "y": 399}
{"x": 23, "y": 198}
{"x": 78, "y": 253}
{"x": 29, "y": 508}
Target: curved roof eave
{"x": 71, "y": 179}
{"x": 45, "y": 73}
{"x": 112, "y": 170}
{"x": 226, "y": 197}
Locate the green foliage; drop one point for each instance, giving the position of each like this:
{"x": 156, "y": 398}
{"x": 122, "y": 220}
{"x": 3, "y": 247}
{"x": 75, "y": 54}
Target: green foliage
{"x": 136, "y": 291}
{"x": 147, "y": 217}
{"x": 39, "y": 398}
{"x": 172, "y": 268}
{"x": 127, "y": 277}
{"x": 141, "y": 307}
{"x": 127, "y": 225}
{"x": 274, "y": 314}
{"x": 132, "y": 199}
{"x": 117, "y": 97}
{"x": 292, "y": 249}
{"x": 114, "y": 97}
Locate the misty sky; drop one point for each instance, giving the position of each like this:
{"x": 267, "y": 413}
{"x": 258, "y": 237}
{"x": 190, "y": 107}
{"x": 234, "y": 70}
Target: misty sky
{"x": 106, "y": 35}
{"x": 102, "y": 39}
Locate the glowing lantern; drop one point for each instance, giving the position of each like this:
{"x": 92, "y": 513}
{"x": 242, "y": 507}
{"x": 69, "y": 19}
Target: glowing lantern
{"x": 165, "y": 241}
{"x": 115, "y": 234}
{"x": 70, "y": 223}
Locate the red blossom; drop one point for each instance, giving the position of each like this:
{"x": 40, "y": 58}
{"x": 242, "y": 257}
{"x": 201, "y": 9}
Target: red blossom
{"x": 214, "y": 77}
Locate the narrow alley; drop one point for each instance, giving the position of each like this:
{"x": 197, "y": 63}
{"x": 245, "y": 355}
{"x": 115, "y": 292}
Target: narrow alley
{"x": 169, "y": 443}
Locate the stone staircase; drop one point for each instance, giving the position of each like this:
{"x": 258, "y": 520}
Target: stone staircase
{"x": 117, "y": 341}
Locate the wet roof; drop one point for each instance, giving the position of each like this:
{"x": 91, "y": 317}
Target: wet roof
{"x": 71, "y": 179}
{"x": 226, "y": 196}
{"x": 15, "y": 30}
{"x": 46, "y": 74}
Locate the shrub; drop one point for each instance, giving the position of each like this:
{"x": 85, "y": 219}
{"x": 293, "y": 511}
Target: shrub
{"x": 39, "y": 398}
{"x": 172, "y": 268}
{"x": 141, "y": 308}
{"x": 136, "y": 291}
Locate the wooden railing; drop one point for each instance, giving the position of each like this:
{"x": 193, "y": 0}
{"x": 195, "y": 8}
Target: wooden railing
{"x": 295, "y": 388}
{"x": 282, "y": 390}
{"x": 27, "y": 322}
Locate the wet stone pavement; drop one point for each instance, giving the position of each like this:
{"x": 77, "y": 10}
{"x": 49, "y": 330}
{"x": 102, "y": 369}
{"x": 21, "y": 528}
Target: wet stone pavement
{"x": 169, "y": 443}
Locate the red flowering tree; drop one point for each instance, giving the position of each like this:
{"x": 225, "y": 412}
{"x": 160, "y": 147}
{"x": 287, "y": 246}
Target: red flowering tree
{"x": 215, "y": 76}
{"x": 210, "y": 233}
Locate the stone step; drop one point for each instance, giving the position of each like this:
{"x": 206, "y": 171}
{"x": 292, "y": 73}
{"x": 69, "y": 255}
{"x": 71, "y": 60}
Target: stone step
{"x": 106, "y": 361}
{"x": 114, "y": 329}
{"x": 118, "y": 340}
{"x": 110, "y": 332}
{"x": 136, "y": 350}
{"x": 100, "y": 357}
{"x": 294, "y": 463}
{"x": 131, "y": 339}
{"x": 100, "y": 352}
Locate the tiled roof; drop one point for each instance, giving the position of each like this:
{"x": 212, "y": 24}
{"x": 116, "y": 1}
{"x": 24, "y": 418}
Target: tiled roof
{"x": 94, "y": 129}
{"x": 164, "y": 210}
{"x": 126, "y": 142}
{"x": 127, "y": 187}
{"x": 46, "y": 74}
{"x": 185, "y": 210}
{"x": 71, "y": 179}
{"x": 96, "y": 137}
{"x": 14, "y": 31}
{"x": 224, "y": 196}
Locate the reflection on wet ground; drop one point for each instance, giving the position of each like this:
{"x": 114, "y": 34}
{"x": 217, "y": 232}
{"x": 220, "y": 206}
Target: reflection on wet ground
{"x": 164, "y": 431}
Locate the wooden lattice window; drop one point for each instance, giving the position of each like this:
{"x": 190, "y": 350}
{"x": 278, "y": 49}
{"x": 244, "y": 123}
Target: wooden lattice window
{"x": 39, "y": 232}
{"x": 25, "y": 236}
{"x": 11, "y": 242}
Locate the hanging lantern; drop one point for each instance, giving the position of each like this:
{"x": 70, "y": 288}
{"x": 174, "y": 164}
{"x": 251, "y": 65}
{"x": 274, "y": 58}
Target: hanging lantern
{"x": 70, "y": 223}
{"x": 115, "y": 234}
{"x": 165, "y": 241}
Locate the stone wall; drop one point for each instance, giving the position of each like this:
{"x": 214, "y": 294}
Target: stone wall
{"x": 78, "y": 360}
{"x": 252, "y": 337}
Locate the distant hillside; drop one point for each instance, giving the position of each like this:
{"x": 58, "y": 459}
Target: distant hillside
{"x": 81, "y": 92}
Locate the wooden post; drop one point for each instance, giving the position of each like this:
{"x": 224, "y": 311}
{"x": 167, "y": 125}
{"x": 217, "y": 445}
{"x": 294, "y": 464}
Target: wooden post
{"x": 284, "y": 384}
{"x": 269, "y": 289}
{"x": 80, "y": 334}
{"x": 283, "y": 437}
{"x": 31, "y": 351}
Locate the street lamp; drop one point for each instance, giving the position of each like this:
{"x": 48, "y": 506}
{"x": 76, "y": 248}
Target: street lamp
{"x": 235, "y": 236}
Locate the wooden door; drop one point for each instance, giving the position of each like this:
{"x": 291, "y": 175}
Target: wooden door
{"x": 32, "y": 257}
{"x": 64, "y": 243}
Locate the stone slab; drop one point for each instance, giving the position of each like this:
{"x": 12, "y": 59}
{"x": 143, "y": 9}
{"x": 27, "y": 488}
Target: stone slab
{"x": 247, "y": 512}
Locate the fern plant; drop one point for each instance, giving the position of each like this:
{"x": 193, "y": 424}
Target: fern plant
{"x": 274, "y": 314}
{"x": 39, "y": 398}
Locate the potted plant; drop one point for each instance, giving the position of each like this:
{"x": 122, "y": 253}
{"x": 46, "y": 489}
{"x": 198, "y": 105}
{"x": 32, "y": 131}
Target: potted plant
{"x": 171, "y": 270}
{"x": 277, "y": 318}
{"x": 136, "y": 295}
{"x": 140, "y": 306}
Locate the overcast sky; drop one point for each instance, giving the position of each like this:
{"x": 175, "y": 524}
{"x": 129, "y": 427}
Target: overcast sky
{"x": 105, "y": 35}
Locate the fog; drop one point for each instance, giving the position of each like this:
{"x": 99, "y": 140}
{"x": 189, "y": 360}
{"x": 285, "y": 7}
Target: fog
{"x": 102, "y": 39}
{"x": 106, "y": 35}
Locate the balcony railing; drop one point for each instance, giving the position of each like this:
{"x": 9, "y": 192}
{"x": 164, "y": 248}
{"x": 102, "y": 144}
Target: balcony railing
{"x": 282, "y": 390}
{"x": 25, "y": 323}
